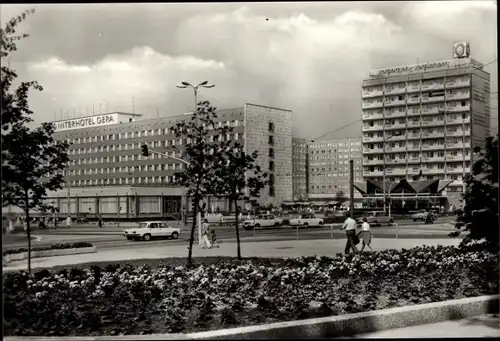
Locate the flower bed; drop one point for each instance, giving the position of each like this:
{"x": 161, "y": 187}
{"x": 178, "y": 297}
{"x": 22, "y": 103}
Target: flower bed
{"x": 133, "y": 300}
{"x": 60, "y": 246}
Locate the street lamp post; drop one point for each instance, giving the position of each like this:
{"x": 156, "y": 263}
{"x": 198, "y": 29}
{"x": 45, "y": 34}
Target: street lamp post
{"x": 185, "y": 85}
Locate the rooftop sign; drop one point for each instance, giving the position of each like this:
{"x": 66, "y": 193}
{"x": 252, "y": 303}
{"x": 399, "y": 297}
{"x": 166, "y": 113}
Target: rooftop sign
{"x": 86, "y": 122}
{"x": 431, "y": 66}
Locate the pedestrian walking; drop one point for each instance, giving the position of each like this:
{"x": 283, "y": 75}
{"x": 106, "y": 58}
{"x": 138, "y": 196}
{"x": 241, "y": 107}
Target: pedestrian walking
{"x": 68, "y": 222}
{"x": 205, "y": 243}
{"x": 99, "y": 221}
{"x": 350, "y": 231}
{"x": 214, "y": 237}
{"x": 366, "y": 234}
{"x": 41, "y": 223}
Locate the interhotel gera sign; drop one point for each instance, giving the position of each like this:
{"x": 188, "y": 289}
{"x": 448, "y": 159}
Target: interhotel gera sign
{"x": 432, "y": 66}
{"x": 86, "y": 122}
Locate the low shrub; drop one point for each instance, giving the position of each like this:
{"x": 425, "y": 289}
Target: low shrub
{"x": 59, "y": 246}
{"x": 118, "y": 299}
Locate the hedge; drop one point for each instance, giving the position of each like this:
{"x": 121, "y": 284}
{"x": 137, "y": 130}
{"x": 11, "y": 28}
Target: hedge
{"x": 60, "y": 246}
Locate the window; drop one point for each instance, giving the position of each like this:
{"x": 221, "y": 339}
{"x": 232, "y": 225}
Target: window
{"x": 271, "y": 139}
{"x": 271, "y": 127}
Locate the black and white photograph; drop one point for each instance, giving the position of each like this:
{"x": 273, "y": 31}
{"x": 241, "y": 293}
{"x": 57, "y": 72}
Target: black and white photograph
{"x": 250, "y": 170}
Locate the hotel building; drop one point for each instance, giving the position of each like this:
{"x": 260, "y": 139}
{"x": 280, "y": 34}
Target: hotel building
{"x": 425, "y": 120}
{"x": 328, "y": 167}
{"x": 109, "y": 176}
{"x": 300, "y": 172}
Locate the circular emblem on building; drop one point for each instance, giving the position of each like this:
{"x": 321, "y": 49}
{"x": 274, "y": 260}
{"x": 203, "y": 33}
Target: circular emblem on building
{"x": 461, "y": 50}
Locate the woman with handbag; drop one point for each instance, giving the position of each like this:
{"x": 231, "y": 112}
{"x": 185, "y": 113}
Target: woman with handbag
{"x": 366, "y": 234}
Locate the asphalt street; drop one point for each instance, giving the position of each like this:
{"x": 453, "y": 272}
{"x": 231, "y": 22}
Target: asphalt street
{"x": 111, "y": 237}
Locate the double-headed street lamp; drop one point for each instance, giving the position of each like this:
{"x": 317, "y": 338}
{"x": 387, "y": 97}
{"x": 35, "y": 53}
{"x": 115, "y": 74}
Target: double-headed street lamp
{"x": 204, "y": 84}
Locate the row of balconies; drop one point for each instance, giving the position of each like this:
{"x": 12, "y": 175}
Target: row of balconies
{"x": 417, "y": 124}
{"x": 416, "y": 148}
{"x": 415, "y": 171}
{"x": 411, "y": 159}
{"x": 416, "y": 87}
{"x": 419, "y": 112}
{"x": 409, "y": 101}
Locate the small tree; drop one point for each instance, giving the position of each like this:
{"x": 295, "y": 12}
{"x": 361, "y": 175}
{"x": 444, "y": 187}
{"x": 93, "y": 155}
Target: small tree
{"x": 197, "y": 177}
{"x": 479, "y": 216}
{"x": 237, "y": 178}
{"x": 32, "y": 161}
{"x": 34, "y": 165}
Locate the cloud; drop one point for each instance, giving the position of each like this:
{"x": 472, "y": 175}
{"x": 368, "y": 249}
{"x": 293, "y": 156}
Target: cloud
{"x": 311, "y": 59}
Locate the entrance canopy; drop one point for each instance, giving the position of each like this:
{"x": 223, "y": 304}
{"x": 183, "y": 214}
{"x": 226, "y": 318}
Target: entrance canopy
{"x": 370, "y": 187}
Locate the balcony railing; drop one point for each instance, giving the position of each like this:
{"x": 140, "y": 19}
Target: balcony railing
{"x": 458, "y": 170}
{"x": 373, "y": 139}
{"x": 413, "y": 88}
{"x": 458, "y": 108}
{"x": 432, "y": 99}
{"x": 372, "y": 151}
{"x": 454, "y": 157}
{"x": 457, "y": 145}
{"x": 458, "y": 84}
{"x": 372, "y": 105}
{"x": 432, "y": 86}
{"x": 433, "y": 159}
{"x": 367, "y": 94}
{"x": 428, "y": 111}
{"x": 414, "y": 123}
{"x": 414, "y": 160}
{"x": 414, "y": 136}
{"x": 395, "y": 91}
{"x": 433, "y": 123}
{"x": 395, "y": 126}
{"x": 458, "y": 96}
{"x": 393, "y": 103}
{"x": 432, "y": 146}
{"x": 412, "y": 100}
{"x": 374, "y": 173}
{"x": 373, "y": 116}
{"x": 432, "y": 135}
{"x": 457, "y": 133}
{"x": 395, "y": 114}
{"x": 454, "y": 121}
{"x": 372, "y": 128}
{"x": 372, "y": 162}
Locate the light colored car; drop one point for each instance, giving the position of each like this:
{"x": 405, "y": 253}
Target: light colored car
{"x": 264, "y": 220}
{"x": 420, "y": 216}
{"x": 377, "y": 218}
{"x": 152, "y": 230}
{"x": 305, "y": 220}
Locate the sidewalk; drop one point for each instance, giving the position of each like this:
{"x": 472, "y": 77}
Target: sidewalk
{"x": 274, "y": 249}
{"x": 477, "y": 326}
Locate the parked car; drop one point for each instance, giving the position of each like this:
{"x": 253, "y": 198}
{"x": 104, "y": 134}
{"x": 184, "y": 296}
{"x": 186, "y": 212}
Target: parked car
{"x": 152, "y": 230}
{"x": 420, "y": 216}
{"x": 263, "y": 220}
{"x": 305, "y": 220}
{"x": 377, "y": 218}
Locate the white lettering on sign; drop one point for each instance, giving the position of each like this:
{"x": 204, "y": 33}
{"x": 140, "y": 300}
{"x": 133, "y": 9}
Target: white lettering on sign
{"x": 431, "y": 66}
{"x": 86, "y": 122}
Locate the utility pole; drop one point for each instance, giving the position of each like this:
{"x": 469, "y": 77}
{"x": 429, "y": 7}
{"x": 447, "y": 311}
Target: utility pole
{"x": 351, "y": 186}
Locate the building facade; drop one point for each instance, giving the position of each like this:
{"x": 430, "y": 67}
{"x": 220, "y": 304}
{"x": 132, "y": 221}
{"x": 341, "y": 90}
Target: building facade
{"x": 300, "y": 172}
{"x": 423, "y": 121}
{"x": 108, "y": 175}
{"x": 328, "y": 167}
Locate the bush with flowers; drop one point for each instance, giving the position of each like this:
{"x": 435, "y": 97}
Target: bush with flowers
{"x": 118, "y": 300}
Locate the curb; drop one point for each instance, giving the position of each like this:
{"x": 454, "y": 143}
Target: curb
{"x": 329, "y": 327}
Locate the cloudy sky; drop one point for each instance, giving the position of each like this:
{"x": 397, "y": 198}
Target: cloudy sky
{"x": 310, "y": 58}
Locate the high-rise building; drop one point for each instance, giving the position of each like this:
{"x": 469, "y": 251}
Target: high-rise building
{"x": 299, "y": 168}
{"x": 422, "y": 121}
{"x": 109, "y": 175}
{"x": 329, "y": 167}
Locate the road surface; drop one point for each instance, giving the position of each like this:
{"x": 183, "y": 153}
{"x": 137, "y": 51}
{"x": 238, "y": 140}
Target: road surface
{"x": 112, "y": 237}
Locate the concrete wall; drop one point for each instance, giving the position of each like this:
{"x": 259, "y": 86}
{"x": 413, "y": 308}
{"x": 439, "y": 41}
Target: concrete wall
{"x": 480, "y": 109}
{"x": 257, "y": 120}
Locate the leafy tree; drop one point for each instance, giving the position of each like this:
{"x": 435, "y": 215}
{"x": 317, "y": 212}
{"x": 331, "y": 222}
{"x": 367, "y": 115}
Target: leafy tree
{"x": 32, "y": 161}
{"x": 237, "y": 178}
{"x": 203, "y": 156}
{"x": 479, "y": 216}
